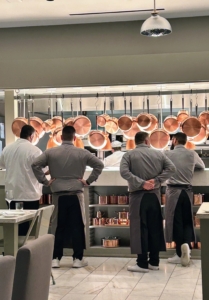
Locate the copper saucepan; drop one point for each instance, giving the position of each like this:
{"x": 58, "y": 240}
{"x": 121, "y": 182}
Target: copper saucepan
{"x": 189, "y": 145}
{"x": 102, "y": 119}
{"x": 82, "y": 124}
{"x": 37, "y": 123}
{"x": 171, "y": 124}
{"x": 125, "y": 121}
{"x": 201, "y": 137}
{"x": 46, "y": 125}
{"x": 154, "y": 120}
{"x": 143, "y": 120}
{"x": 182, "y": 114}
{"x": 97, "y": 139}
{"x": 70, "y": 121}
{"x": 57, "y": 121}
{"x": 130, "y": 134}
{"x": 108, "y": 146}
{"x": 111, "y": 125}
{"x": 17, "y": 125}
{"x": 57, "y": 135}
{"x": 191, "y": 126}
{"x": 51, "y": 143}
{"x": 78, "y": 143}
{"x": 204, "y": 116}
{"x": 130, "y": 145}
{"x": 159, "y": 139}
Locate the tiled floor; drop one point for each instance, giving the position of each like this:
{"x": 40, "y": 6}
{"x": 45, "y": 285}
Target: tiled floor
{"x": 107, "y": 279}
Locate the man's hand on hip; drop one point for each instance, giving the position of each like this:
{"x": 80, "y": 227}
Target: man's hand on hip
{"x": 84, "y": 182}
{"x": 51, "y": 180}
{"x": 148, "y": 185}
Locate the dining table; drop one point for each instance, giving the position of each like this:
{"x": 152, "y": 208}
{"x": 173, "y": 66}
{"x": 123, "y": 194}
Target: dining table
{"x": 10, "y": 220}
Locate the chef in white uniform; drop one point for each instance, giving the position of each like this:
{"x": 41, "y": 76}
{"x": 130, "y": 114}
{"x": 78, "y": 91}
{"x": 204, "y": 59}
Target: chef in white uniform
{"x": 114, "y": 159}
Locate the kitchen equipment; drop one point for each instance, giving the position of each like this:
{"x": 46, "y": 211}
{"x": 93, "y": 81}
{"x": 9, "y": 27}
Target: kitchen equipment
{"x": 37, "y": 123}
{"x": 196, "y": 221}
{"x": 81, "y": 123}
{"x": 124, "y": 222}
{"x": 51, "y": 143}
{"x": 163, "y": 199}
{"x": 47, "y": 124}
{"x": 104, "y": 200}
{"x": 191, "y": 126}
{"x": 110, "y": 221}
{"x": 125, "y": 121}
{"x": 108, "y": 146}
{"x": 19, "y": 122}
{"x": 111, "y": 125}
{"x": 35, "y": 138}
{"x": 99, "y": 221}
{"x": 123, "y": 214}
{"x": 198, "y": 245}
{"x": 144, "y": 120}
{"x": 102, "y": 119}
{"x": 123, "y": 200}
{"x": 110, "y": 242}
{"x": 130, "y": 145}
{"x": 57, "y": 121}
{"x": 57, "y": 135}
{"x": 182, "y": 114}
{"x": 170, "y": 245}
{"x": 97, "y": 139}
{"x": 198, "y": 199}
{"x": 130, "y": 134}
{"x": 204, "y": 115}
{"x": 69, "y": 121}
{"x": 171, "y": 124}
{"x": 99, "y": 214}
{"x": 113, "y": 199}
{"x": 189, "y": 145}
{"x": 78, "y": 143}
{"x": 201, "y": 137}
{"x": 154, "y": 120}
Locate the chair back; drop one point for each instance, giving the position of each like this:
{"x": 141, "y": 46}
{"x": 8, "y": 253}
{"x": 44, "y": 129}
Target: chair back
{"x": 7, "y": 270}
{"x": 33, "y": 269}
{"x": 43, "y": 222}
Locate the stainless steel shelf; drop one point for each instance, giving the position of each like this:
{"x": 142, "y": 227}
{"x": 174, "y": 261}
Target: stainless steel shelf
{"x": 102, "y": 226}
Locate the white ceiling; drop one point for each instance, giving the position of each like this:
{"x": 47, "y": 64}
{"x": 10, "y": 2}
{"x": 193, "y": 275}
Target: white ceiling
{"x": 18, "y": 13}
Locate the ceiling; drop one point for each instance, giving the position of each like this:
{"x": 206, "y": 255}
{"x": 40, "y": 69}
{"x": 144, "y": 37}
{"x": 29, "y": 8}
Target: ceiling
{"x": 18, "y": 13}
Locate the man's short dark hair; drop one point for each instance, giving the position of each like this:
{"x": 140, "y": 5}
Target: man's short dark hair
{"x": 140, "y": 137}
{"x": 68, "y": 133}
{"x": 181, "y": 138}
{"x": 26, "y": 131}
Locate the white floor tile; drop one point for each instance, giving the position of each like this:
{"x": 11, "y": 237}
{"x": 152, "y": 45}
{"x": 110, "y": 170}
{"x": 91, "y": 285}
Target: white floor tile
{"x": 148, "y": 289}
{"x": 123, "y": 282}
{"x": 89, "y": 288}
{"x": 174, "y": 295}
{"x": 78, "y": 297}
{"x": 113, "y": 294}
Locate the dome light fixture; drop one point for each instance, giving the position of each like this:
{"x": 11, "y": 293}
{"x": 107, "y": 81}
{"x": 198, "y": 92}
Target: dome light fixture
{"x": 155, "y": 25}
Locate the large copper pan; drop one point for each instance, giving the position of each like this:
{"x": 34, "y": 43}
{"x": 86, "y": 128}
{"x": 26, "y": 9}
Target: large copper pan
{"x": 97, "y": 139}
{"x": 82, "y": 124}
{"x": 51, "y": 143}
{"x": 35, "y": 138}
{"x": 191, "y": 126}
{"x": 130, "y": 134}
{"x": 204, "y": 116}
{"x": 57, "y": 121}
{"x": 17, "y": 125}
{"x": 201, "y": 137}
{"x": 182, "y": 114}
{"x": 102, "y": 119}
{"x": 125, "y": 121}
{"x": 37, "y": 124}
{"x": 159, "y": 139}
{"x": 171, "y": 124}
{"x": 144, "y": 119}
{"x": 154, "y": 120}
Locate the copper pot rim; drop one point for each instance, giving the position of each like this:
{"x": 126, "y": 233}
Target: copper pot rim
{"x": 36, "y": 138}
{"x": 203, "y": 135}
{"x": 87, "y": 126}
{"x": 176, "y": 128}
{"x": 18, "y": 119}
{"x": 105, "y": 117}
{"x": 165, "y": 133}
{"x": 69, "y": 120}
{"x": 103, "y": 134}
{"x": 135, "y": 130}
{"x": 148, "y": 117}
{"x": 188, "y": 119}
{"x": 55, "y": 132}
{"x": 112, "y": 120}
{"x": 39, "y": 125}
{"x": 129, "y": 119}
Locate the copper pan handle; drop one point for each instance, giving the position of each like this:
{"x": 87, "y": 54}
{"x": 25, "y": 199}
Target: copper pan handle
{"x": 206, "y": 102}
{"x": 72, "y": 112}
{"x": 56, "y": 106}
{"x": 183, "y": 102}
{"x": 125, "y": 104}
{"x": 147, "y": 105}
{"x": 80, "y": 106}
{"x": 28, "y": 117}
{"x": 190, "y": 107}
{"x": 131, "y": 108}
{"x": 49, "y": 109}
{"x": 32, "y": 108}
{"x": 105, "y": 106}
{"x": 171, "y": 106}
{"x": 196, "y": 109}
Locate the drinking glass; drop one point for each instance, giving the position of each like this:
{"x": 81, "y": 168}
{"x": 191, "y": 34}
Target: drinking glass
{"x": 9, "y": 197}
{"x": 19, "y": 206}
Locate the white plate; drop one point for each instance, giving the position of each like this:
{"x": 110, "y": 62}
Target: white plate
{"x": 9, "y": 216}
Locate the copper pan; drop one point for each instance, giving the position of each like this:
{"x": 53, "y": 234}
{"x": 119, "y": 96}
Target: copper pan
{"x": 182, "y": 114}
{"x": 191, "y": 126}
{"x": 130, "y": 145}
{"x": 108, "y": 146}
{"x": 111, "y": 125}
{"x": 46, "y": 125}
{"x": 154, "y": 120}
{"x": 97, "y": 139}
{"x": 125, "y": 121}
{"x": 35, "y": 139}
{"x": 69, "y": 121}
{"x": 201, "y": 137}
{"x": 78, "y": 143}
{"x": 51, "y": 143}
{"x": 57, "y": 121}
{"x": 144, "y": 119}
{"x": 204, "y": 116}
{"x": 57, "y": 135}
{"x": 82, "y": 124}
{"x": 102, "y": 119}
{"x": 189, "y": 145}
{"x": 17, "y": 125}
{"x": 159, "y": 139}
{"x": 171, "y": 124}
{"x": 37, "y": 124}
{"x": 130, "y": 134}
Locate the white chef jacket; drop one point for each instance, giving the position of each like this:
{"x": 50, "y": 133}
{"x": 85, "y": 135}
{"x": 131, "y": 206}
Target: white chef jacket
{"x": 17, "y": 159}
{"x": 114, "y": 159}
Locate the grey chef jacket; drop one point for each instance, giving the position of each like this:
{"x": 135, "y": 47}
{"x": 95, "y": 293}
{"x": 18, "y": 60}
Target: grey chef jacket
{"x": 185, "y": 161}
{"x": 66, "y": 164}
{"x": 137, "y": 166}
{"x": 144, "y": 163}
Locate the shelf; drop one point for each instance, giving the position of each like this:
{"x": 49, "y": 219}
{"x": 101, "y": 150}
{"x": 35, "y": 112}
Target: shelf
{"x": 101, "y": 247}
{"x": 114, "y": 205}
{"x": 102, "y": 226}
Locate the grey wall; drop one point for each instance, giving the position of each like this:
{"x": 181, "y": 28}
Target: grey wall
{"x": 106, "y": 53}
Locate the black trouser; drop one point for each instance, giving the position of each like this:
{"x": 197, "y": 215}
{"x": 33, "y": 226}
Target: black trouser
{"x": 182, "y": 223}
{"x": 28, "y": 205}
{"x": 151, "y": 230}
{"x": 69, "y": 209}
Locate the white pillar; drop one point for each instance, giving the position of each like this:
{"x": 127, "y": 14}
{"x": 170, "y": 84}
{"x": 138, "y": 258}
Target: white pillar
{"x": 11, "y": 112}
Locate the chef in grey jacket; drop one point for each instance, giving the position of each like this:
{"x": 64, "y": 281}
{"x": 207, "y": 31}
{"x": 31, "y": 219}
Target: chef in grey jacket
{"x": 67, "y": 165}
{"x": 145, "y": 169}
{"x": 179, "y": 199}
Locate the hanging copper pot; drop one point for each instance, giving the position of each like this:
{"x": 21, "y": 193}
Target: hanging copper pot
{"x": 143, "y": 120}
{"x": 130, "y": 145}
{"x": 159, "y": 139}
{"x": 35, "y": 139}
{"x": 51, "y": 143}
{"x": 69, "y": 121}
{"x": 37, "y": 123}
{"x": 154, "y": 120}
{"x": 130, "y": 134}
{"x": 78, "y": 143}
{"x": 191, "y": 126}
{"x": 204, "y": 116}
{"x": 108, "y": 146}
{"x": 189, "y": 145}
{"x": 97, "y": 139}
{"x": 111, "y": 125}
{"x": 17, "y": 125}
{"x": 102, "y": 119}
{"x": 82, "y": 124}
{"x": 201, "y": 137}
{"x": 125, "y": 121}
{"x": 46, "y": 125}
{"x": 182, "y": 114}
{"x": 57, "y": 121}
{"x": 171, "y": 124}
{"x": 57, "y": 135}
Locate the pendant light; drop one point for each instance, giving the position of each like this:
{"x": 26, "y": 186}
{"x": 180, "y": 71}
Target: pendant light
{"x": 156, "y": 25}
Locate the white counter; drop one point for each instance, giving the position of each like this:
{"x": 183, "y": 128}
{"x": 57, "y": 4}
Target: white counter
{"x": 111, "y": 177}
{"x": 203, "y": 211}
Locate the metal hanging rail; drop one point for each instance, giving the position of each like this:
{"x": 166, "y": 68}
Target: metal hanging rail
{"x": 110, "y": 94}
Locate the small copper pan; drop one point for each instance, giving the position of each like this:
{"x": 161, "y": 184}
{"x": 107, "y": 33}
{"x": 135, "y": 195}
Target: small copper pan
{"x": 97, "y": 139}
{"x": 171, "y": 124}
{"x": 125, "y": 121}
{"x": 102, "y": 119}
{"x": 144, "y": 120}
{"x": 191, "y": 126}
{"x": 182, "y": 114}
{"x": 204, "y": 116}
{"x": 154, "y": 120}
{"x": 82, "y": 124}
{"x": 17, "y": 125}
{"x": 159, "y": 139}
